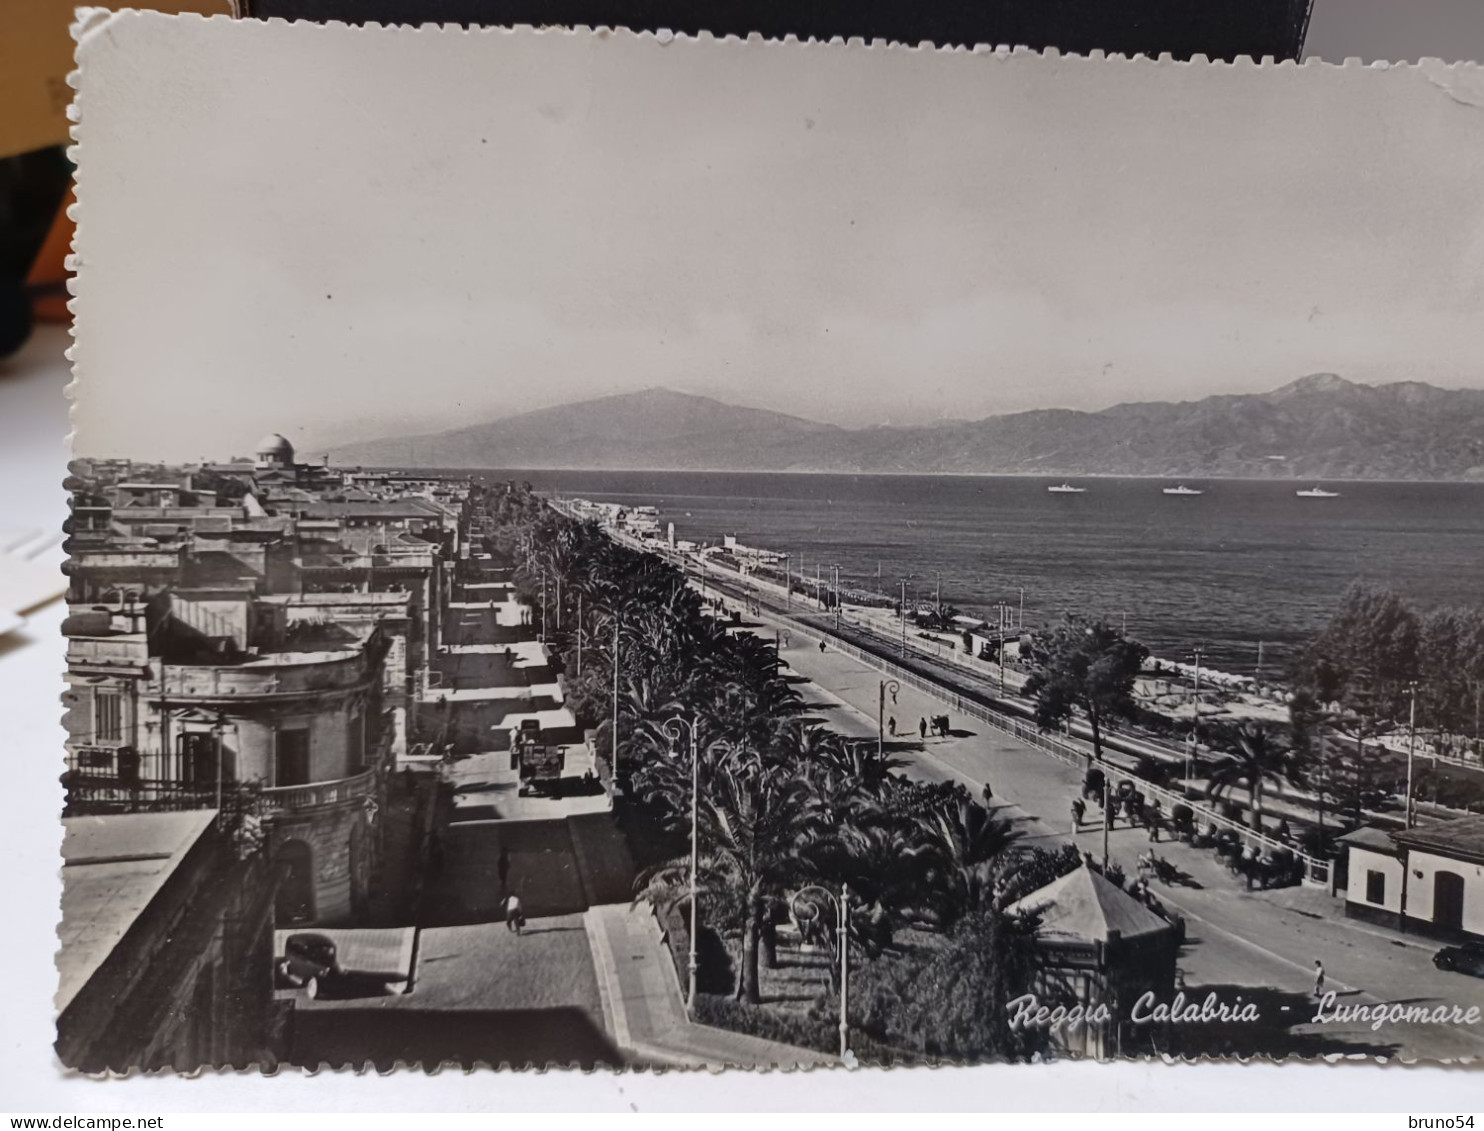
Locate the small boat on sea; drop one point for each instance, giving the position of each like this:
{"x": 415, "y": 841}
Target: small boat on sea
{"x": 1067, "y": 489}
{"x": 1182, "y": 490}
{"x": 1317, "y": 493}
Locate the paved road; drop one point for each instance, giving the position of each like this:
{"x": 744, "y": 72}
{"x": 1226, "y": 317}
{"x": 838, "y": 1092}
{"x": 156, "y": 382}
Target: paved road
{"x": 1264, "y": 941}
{"x": 481, "y": 994}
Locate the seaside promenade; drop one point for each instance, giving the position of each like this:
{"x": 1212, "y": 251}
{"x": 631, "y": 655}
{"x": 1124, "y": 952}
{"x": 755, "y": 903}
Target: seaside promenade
{"x": 1261, "y": 942}
{"x": 1259, "y": 945}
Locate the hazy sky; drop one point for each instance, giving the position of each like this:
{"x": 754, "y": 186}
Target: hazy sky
{"x": 339, "y": 233}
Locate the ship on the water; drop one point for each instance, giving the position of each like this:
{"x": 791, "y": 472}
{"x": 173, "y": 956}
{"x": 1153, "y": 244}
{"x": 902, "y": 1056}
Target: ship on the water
{"x": 1066, "y": 489}
{"x": 1317, "y": 493}
{"x": 1183, "y": 490}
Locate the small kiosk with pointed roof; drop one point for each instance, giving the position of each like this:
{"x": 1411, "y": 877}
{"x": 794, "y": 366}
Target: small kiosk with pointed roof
{"x": 1099, "y": 946}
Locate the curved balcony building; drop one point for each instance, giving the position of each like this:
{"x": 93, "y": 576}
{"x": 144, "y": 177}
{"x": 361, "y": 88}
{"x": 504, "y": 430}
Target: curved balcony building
{"x": 178, "y": 708}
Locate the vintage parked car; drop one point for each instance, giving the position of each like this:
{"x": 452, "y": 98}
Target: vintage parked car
{"x": 1467, "y": 958}
{"x": 311, "y": 963}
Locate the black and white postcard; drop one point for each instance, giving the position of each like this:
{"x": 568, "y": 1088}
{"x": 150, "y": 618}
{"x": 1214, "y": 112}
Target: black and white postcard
{"x": 592, "y": 549}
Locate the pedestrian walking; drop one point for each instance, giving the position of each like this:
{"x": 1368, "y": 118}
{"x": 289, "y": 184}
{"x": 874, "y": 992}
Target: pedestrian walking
{"x": 821, "y": 645}
{"x": 1079, "y": 810}
{"x": 988, "y": 794}
{"x": 922, "y": 729}
{"x": 515, "y": 917}
{"x": 1318, "y": 978}
{"x": 502, "y": 868}
{"x": 891, "y": 725}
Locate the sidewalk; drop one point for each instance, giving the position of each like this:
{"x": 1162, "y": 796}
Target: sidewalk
{"x": 642, "y": 1006}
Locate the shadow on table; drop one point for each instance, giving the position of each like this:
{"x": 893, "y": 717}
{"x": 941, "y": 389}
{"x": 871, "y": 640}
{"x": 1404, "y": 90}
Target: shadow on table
{"x": 388, "y": 1037}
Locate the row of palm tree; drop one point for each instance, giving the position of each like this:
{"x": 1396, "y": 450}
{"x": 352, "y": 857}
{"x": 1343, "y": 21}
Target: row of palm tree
{"x": 782, "y": 801}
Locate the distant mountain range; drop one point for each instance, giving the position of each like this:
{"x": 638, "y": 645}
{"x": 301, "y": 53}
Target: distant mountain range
{"x": 1318, "y": 427}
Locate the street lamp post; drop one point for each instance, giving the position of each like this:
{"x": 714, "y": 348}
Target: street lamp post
{"x": 1000, "y": 651}
{"x": 543, "y": 604}
{"x": 616, "y": 788}
{"x": 844, "y": 970}
{"x": 904, "y": 616}
{"x": 1195, "y": 717}
{"x": 1411, "y": 818}
{"x": 886, "y": 685}
{"x": 837, "y": 598}
{"x": 673, "y": 729}
{"x": 812, "y": 907}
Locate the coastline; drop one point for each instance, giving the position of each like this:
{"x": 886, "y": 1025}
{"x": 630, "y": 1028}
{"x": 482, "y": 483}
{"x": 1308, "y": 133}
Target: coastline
{"x": 1101, "y": 476}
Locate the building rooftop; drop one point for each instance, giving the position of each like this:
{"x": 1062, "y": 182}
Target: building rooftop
{"x": 1083, "y": 907}
{"x": 275, "y": 445}
{"x": 339, "y": 600}
{"x": 1461, "y": 837}
{"x": 112, "y": 867}
{"x": 1369, "y": 837}
{"x": 402, "y": 507}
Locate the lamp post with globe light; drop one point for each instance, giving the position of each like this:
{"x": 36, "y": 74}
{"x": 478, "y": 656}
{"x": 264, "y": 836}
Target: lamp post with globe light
{"x": 674, "y": 729}
{"x": 810, "y": 898}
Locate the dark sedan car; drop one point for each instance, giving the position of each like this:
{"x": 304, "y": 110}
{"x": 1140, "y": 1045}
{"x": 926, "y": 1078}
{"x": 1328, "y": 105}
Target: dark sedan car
{"x": 311, "y": 962}
{"x": 1467, "y": 958}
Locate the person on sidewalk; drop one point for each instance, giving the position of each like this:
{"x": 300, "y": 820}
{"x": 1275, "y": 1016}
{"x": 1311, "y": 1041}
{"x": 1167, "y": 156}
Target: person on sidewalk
{"x": 922, "y": 729}
{"x": 515, "y": 917}
{"x": 891, "y": 725}
{"x": 1318, "y": 978}
{"x": 1079, "y": 810}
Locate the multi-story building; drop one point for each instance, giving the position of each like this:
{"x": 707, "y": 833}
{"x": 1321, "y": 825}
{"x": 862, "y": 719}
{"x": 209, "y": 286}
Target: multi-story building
{"x": 203, "y": 689}
{"x": 241, "y": 624}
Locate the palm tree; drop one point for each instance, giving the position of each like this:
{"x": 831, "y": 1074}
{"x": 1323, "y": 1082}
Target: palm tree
{"x": 1258, "y": 757}
{"x": 754, "y": 820}
{"x": 884, "y": 860}
{"x": 972, "y": 848}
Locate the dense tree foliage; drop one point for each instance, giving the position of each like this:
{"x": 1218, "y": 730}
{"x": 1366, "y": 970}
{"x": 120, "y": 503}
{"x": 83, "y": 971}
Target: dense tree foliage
{"x": 782, "y": 803}
{"x": 1087, "y": 666}
{"x": 1355, "y": 683}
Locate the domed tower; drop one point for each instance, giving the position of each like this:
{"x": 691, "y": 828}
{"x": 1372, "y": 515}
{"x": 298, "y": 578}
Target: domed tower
{"x": 274, "y": 451}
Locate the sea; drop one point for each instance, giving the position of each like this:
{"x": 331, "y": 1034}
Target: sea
{"x": 1245, "y": 571}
